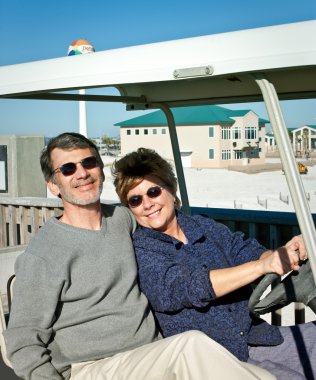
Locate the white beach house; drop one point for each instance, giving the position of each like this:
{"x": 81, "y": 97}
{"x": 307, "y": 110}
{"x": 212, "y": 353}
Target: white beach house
{"x": 209, "y": 136}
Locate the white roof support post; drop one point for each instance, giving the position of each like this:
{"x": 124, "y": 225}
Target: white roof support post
{"x": 82, "y": 115}
{"x": 294, "y": 181}
{"x": 177, "y": 157}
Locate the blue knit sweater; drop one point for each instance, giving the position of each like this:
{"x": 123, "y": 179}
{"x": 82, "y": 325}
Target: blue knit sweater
{"x": 175, "y": 278}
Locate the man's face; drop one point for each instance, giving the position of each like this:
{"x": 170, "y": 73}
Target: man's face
{"x": 84, "y": 186}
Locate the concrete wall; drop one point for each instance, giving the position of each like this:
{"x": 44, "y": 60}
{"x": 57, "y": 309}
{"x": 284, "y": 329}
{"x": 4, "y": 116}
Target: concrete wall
{"x": 24, "y": 175}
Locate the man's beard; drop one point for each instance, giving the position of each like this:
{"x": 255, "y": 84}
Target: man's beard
{"x": 67, "y": 196}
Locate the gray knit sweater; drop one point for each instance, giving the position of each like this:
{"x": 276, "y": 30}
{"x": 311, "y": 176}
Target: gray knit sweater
{"x": 76, "y": 298}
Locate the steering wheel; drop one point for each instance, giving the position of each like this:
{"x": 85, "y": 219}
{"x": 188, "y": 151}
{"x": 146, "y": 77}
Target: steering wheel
{"x": 298, "y": 286}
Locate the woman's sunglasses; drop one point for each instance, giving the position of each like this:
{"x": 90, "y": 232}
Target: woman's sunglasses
{"x": 70, "y": 168}
{"x": 152, "y": 192}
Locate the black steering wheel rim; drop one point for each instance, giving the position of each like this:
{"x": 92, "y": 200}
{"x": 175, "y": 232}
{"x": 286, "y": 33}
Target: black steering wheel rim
{"x": 298, "y": 286}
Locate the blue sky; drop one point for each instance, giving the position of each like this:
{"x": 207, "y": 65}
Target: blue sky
{"x": 38, "y": 29}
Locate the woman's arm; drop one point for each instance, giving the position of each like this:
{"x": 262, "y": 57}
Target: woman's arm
{"x": 280, "y": 261}
{"x": 170, "y": 285}
{"x": 227, "y": 280}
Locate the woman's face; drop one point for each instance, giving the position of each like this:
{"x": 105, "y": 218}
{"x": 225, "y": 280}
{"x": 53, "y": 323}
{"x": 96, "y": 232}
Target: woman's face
{"x": 153, "y": 212}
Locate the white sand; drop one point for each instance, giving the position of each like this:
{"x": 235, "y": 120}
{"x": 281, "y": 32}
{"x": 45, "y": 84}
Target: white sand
{"x": 229, "y": 189}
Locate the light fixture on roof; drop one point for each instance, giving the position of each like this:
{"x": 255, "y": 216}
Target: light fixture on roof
{"x": 192, "y": 72}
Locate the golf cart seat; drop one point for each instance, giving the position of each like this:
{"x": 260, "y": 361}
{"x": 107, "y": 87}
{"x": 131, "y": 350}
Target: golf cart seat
{"x": 8, "y": 256}
{"x": 4, "y": 315}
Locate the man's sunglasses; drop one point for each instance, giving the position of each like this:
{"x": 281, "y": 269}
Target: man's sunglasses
{"x": 70, "y": 168}
{"x": 152, "y": 192}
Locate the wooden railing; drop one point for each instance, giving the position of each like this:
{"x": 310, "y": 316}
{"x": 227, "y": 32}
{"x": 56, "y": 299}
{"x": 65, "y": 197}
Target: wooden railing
{"x": 272, "y": 229}
{"x": 22, "y": 217}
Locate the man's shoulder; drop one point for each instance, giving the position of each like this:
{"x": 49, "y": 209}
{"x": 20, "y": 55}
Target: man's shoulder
{"x": 48, "y": 229}
{"x": 118, "y": 213}
{"x": 40, "y": 245}
{"x": 109, "y": 210}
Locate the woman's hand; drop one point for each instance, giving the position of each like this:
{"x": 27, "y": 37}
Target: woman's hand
{"x": 286, "y": 258}
{"x": 280, "y": 261}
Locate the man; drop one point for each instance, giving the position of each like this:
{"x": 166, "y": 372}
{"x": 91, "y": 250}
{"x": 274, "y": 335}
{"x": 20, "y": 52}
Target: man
{"x": 77, "y": 309}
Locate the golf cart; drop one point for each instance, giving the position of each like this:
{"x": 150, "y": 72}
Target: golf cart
{"x": 243, "y": 66}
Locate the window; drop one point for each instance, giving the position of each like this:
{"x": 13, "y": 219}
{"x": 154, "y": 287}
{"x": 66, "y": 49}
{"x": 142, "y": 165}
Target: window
{"x": 136, "y": 131}
{"x": 145, "y": 131}
{"x": 226, "y": 154}
{"x": 163, "y": 131}
{"x": 236, "y": 133}
{"x": 211, "y": 154}
{"x": 226, "y": 133}
{"x": 154, "y": 131}
{"x": 211, "y": 132}
{"x": 238, "y": 154}
{"x": 128, "y": 132}
{"x": 250, "y": 133}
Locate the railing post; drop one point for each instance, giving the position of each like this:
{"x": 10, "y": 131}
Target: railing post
{"x": 3, "y": 227}
{"x": 299, "y": 312}
{"x": 252, "y": 230}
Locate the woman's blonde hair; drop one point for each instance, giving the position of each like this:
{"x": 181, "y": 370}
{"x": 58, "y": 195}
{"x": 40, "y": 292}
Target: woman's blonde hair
{"x": 131, "y": 169}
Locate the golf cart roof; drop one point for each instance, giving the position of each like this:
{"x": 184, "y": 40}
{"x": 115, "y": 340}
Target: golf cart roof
{"x": 270, "y": 64}
{"x": 210, "y": 69}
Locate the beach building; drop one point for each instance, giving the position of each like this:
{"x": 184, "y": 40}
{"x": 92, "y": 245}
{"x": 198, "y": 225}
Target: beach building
{"x": 270, "y": 142}
{"x": 304, "y": 139}
{"x": 209, "y": 136}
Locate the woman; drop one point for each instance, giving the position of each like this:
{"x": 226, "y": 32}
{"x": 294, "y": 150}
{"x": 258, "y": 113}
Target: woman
{"x": 196, "y": 273}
